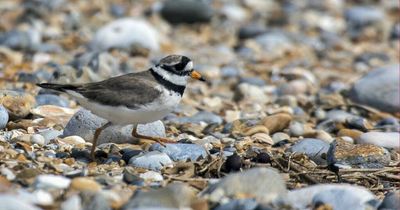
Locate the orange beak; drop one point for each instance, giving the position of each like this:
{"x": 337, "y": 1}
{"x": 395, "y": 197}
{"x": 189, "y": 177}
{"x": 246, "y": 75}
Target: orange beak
{"x": 197, "y": 75}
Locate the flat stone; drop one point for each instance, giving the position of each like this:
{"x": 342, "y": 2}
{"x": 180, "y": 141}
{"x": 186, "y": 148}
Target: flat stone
{"x": 84, "y": 184}
{"x": 315, "y": 149}
{"x": 153, "y": 160}
{"x": 73, "y": 140}
{"x": 174, "y": 196}
{"x": 186, "y": 11}
{"x": 180, "y": 151}
{"x": 94, "y": 201}
{"x": 382, "y": 139}
{"x": 73, "y": 202}
{"x": 83, "y": 123}
{"x": 50, "y": 99}
{"x": 328, "y": 193}
{"x": 263, "y": 184}
{"x": 118, "y": 34}
{"x": 18, "y": 104}
{"x": 369, "y": 89}
{"x": 10, "y": 202}
{"x": 50, "y": 181}
{"x": 276, "y": 122}
{"x": 363, "y": 156}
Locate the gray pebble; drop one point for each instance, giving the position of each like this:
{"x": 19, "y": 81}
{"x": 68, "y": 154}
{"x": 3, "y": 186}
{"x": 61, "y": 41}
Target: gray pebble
{"x": 11, "y": 202}
{"x": 315, "y": 149}
{"x": 49, "y": 99}
{"x": 304, "y": 197}
{"x": 38, "y": 139}
{"x": 83, "y": 124}
{"x": 383, "y": 139}
{"x": 50, "y": 134}
{"x": 3, "y": 117}
{"x": 202, "y": 116}
{"x": 391, "y": 201}
{"x": 178, "y": 152}
{"x": 118, "y": 34}
{"x": 153, "y": 160}
{"x": 370, "y": 90}
{"x": 341, "y": 199}
{"x": 266, "y": 185}
{"x": 186, "y": 11}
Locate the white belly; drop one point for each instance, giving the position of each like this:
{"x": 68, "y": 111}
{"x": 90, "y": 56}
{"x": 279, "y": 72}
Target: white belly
{"x": 122, "y": 115}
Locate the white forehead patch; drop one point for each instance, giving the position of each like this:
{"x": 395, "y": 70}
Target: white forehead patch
{"x": 189, "y": 66}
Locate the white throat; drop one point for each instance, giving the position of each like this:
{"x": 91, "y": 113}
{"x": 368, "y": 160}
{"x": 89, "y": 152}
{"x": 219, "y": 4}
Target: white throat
{"x": 173, "y": 78}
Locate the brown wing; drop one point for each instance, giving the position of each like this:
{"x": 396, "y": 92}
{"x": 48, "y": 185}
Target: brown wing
{"x": 131, "y": 90}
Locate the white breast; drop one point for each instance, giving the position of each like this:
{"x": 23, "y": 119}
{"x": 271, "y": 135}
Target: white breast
{"x": 122, "y": 115}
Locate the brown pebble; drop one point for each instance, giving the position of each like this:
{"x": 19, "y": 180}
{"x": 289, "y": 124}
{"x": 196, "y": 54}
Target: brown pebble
{"x": 353, "y": 133}
{"x": 85, "y": 184}
{"x": 17, "y": 104}
{"x": 276, "y": 122}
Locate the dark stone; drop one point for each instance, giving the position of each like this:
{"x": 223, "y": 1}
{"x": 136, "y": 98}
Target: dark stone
{"x": 129, "y": 153}
{"x": 233, "y": 163}
{"x": 81, "y": 155}
{"x": 186, "y": 11}
{"x": 62, "y": 155}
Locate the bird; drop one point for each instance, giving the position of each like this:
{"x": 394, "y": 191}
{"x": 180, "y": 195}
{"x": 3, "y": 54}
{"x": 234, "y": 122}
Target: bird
{"x": 134, "y": 98}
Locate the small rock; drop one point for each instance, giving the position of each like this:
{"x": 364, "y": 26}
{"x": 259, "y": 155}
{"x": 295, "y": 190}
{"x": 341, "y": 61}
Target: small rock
{"x": 83, "y": 123}
{"x": 305, "y": 197}
{"x": 276, "y": 122}
{"x": 128, "y": 154}
{"x": 38, "y": 197}
{"x": 94, "y": 201}
{"x": 174, "y": 196}
{"x": 279, "y": 136}
{"x": 81, "y": 155}
{"x": 242, "y": 204}
{"x": 391, "y": 201}
{"x": 38, "y": 139}
{"x": 202, "y": 116}
{"x": 353, "y": 133}
{"x": 338, "y": 115}
{"x": 73, "y": 202}
{"x": 382, "y": 139}
{"x": 245, "y": 91}
{"x": 50, "y": 134}
{"x": 178, "y": 152}
{"x": 118, "y": 34}
{"x": 252, "y": 81}
{"x": 186, "y": 11}
{"x": 151, "y": 176}
{"x": 153, "y": 160}
{"x": 50, "y": 181}
{"x": 340, "y": 199}
{"x": 73, "y": 140}
{"x": 370, "y": 91}
{"x": 50, "y": 99}
{"x": 233, "y": 163}
{"x": 266, "y": 185}
{"x": 18, "y": 104}
{"x": 315, "y": 149}
{"x": 3, "y": 117}
{"x": 364, "y": 155}
{"x": 155, "y": 129}
{"x": 10, "y": 202}
{"x": 53, "y": 113}
{"x": 84, "y": 184}
{"x": 251, "y": 30}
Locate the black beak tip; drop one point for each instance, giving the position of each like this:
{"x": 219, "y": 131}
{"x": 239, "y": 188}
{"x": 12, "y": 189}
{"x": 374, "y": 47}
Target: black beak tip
{"x": 203, "y": 79}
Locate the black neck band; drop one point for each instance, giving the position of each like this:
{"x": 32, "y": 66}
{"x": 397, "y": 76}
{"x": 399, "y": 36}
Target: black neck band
{"x": 167, "y": 84}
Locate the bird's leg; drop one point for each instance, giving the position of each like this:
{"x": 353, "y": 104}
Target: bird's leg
{"x": 96, "y": 136}
{"x": 160, "y": 140}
